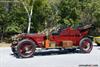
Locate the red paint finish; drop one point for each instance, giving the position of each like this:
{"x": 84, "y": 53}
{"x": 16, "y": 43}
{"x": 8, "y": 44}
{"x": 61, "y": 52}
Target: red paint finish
{"x": 67, "y": 34}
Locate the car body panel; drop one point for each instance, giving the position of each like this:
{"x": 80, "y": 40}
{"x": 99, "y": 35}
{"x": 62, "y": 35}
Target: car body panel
{"x": 67, "y": 34}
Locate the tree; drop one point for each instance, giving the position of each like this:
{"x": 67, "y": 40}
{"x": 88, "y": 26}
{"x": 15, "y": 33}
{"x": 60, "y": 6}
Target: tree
{"x": 28, "y": 5}
{"x": 12, "y": 18}
{"x": 69, "y": 10}
{"x": 83, "y": 11}
{"x": 45, "y": 15}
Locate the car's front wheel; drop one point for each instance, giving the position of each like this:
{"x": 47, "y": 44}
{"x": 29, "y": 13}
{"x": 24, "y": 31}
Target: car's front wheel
{"x": 26, "y": 48}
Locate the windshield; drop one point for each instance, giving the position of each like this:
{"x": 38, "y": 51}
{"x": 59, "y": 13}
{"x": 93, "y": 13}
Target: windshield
{"x": 59, "y": 29}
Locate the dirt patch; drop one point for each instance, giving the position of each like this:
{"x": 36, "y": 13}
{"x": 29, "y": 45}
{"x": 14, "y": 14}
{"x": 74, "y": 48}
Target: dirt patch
{"x": 3, "y": 44}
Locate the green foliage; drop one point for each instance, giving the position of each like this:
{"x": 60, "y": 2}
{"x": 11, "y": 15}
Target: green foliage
{"x": 44, "y": 15}
{"x": 13, "y": 28}
{"x": 83, "y": 11}
{"x": 48, "y": 13}
{"x": 69, "y": 9}
{"x": 14, "y": 20}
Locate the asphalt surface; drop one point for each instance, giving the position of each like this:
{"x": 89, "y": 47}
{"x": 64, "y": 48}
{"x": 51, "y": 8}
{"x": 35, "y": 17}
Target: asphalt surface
{"x": 52, "y": 58}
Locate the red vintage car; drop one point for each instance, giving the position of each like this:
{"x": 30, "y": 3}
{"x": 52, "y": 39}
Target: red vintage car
{"x": 26, "y": 44}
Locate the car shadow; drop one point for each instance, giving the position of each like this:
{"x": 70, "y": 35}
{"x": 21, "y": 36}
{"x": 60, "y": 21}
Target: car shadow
{"x": 66, "y": 51}
{"x": 59, "y": 52}
{"x": 98, "y": 47}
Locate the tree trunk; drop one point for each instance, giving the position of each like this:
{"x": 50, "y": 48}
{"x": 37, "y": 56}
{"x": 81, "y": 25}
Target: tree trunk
{"x": 29, "y": 20}
{"x": 29, "y": 24}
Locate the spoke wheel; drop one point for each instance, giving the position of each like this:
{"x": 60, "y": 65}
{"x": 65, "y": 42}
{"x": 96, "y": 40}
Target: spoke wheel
{"x": 26, "y": 48}
{"x": 86, "y": 45}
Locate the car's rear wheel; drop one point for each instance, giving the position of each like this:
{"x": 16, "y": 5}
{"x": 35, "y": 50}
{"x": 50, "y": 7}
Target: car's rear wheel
{"x": 86, "y": 45}
{"x": 26, "y": 48}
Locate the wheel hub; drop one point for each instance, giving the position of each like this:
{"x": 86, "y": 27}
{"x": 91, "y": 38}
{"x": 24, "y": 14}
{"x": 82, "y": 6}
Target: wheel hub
{"x": 86, "y": 45}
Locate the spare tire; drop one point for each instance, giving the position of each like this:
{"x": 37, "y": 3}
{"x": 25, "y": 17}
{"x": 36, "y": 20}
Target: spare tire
{"x": 26, "y": 48}
{"x": 85, "y": 45}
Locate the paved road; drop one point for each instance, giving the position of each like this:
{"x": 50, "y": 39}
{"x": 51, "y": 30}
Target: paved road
{"x": 71, "y": 59}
